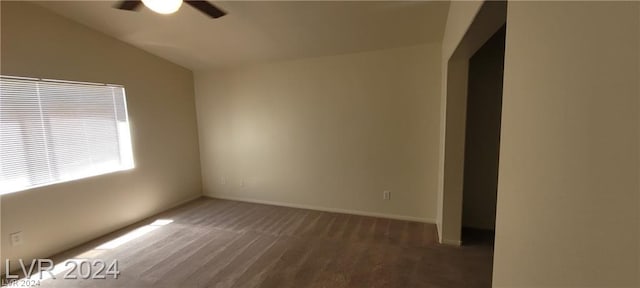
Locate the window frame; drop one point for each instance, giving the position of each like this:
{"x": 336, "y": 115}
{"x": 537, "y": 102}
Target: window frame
{"x": 54, "y": 171}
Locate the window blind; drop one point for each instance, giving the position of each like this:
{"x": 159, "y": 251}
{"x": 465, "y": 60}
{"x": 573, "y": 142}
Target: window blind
{"x": 57, "y": 131}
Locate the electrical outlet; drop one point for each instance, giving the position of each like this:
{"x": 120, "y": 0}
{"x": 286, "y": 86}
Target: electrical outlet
{"x": 16, "y": 238}
{"x": 242, "y": 182}
{"x": 386, "y": 195}
{"x": 223, "y": 180}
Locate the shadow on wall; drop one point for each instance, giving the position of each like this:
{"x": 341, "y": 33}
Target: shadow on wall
{"x": 482, "y": 141}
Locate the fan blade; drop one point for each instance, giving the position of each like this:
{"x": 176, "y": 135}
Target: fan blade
{"x": 129, "y": 5}
{"x": 206, "y": 8}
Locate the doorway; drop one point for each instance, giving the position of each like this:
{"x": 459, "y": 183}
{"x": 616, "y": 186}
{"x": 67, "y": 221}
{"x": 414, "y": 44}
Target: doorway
{"x": 482, "y": 141}
{"x": 491, "y": 17}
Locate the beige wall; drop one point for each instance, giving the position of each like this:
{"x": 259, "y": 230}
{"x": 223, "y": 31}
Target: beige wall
{"x": 330, "y": 133}
{"x": 469, "y": 25}
{"x": 37, "y": 43}
{"x": 460, "y": 17}
{"x": 2, "y": 269}
{"x": 568, "y": 187}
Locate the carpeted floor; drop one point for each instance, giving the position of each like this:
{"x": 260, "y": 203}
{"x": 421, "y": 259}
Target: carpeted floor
{"x": 220, "y": 243}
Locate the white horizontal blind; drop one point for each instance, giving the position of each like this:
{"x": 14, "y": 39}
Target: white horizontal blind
{"x": 56, "y": 131}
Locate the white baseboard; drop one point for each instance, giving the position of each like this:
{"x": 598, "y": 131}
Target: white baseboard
{"x": 97, "y": 236}
{"x": 185, "y": 201}
{"x": 451, "y": 242}
{"x": 326, "y": 209}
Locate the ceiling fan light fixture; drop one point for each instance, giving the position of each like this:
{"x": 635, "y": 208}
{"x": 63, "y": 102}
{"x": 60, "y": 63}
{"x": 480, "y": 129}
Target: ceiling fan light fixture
{"x": 163, "y": 6}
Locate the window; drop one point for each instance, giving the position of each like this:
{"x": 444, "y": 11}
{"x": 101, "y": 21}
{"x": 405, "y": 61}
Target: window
{"x": 57, "y": 131}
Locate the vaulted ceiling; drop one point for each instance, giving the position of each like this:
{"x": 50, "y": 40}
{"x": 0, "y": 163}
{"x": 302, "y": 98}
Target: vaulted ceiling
{"x": 264, "y": 31}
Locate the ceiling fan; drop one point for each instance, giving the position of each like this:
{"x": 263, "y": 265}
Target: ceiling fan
{"x": 171, "y": 6}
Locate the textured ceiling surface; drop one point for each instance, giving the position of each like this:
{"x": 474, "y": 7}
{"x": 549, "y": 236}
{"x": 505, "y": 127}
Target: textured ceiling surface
{"x": 262, "y": 31}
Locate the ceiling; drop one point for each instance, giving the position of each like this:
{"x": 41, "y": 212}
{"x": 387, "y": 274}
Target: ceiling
{"x": 264, "y": 31}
